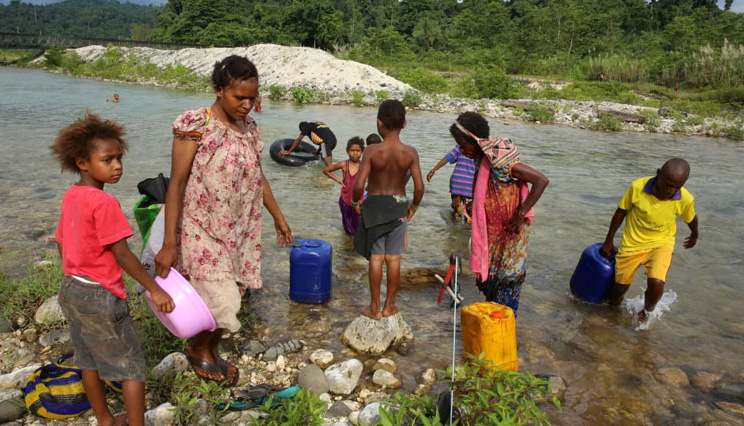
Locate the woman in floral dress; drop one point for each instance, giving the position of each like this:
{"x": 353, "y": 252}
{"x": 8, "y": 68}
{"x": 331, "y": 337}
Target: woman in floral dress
{"x": 502, "y": 209}
{"x": 213, "y": 208}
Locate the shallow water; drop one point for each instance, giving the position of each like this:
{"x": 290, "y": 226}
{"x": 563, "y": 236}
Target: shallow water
{"x": 608, "y": 365}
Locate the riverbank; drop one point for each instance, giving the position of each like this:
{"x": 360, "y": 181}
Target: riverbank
{"x": 306, "y": 75}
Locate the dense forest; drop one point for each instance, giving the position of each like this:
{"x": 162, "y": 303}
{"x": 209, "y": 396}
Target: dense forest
{"x": 691, "y": 42}
{"x": 79, "y": 18}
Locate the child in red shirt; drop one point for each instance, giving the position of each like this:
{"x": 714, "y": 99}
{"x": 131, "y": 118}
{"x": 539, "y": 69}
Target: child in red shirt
{"x": 349, "y": 214}
{"x": 92, "y": 241}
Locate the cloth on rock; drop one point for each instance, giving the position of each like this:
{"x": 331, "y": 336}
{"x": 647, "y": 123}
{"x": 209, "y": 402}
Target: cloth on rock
{"x": 498, "y": 257}
{"x": 219, "y": 237}
{"x": 380, "y": 215}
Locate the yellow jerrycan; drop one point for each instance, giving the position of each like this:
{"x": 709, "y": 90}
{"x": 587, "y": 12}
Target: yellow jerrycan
{"x": 489, "y": 327}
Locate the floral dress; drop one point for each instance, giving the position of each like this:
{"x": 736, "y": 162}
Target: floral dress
{"x": 220, "y": 230}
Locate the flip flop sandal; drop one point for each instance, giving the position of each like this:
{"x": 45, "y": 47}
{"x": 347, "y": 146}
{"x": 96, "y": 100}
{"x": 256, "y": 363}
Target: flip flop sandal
{"x": 275, "y": 400}
{"x": 225, "y": 369}
{"x": 205, "y": 366}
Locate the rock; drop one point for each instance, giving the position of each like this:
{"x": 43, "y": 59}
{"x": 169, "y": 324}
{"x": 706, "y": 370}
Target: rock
{"x": 5, "y": 326}
{"x": 252, "y": 348}
{"x": 354, "y": 417}
{"x": 374, "y": 337}
{"x": 342, "y": 424}
{"x": 20, "y": 357}
{"x": 557, "y": 386}
{"x": 12, "y": 409}
{"x": 54, "y": 337}
{"x": 422, "y": 389}
{"x": 370, "y": 415}
{"x": 230, "y": 417}
{"x": 338, "y": 409}
{"x": 162, "y": 415}
{"x": 385, "y": 378}
{"x": 627, "y": 117}
{"x": 731, "y": 408}
{"x": 672, "y": 376}
{"x": 386, "y": 364}
{"x": 175, "y": 362}
{"x": 705, "y": 381}
{"x": 403, "y": 349}
{"x": 280, "y": 363}
{"x": 282, "y": 346}
{"x": 313, "y": 380}
{"x": 49, "y": 312}
{"x": 30, "y": 334}
{"x": 326, "y": 397}
{"x": 377, "y": 397}
{"x": 730, "y": 389}
{"x": 428, "y": 377}
{"x": 322, "y": 358}
{"x": 17, "y": 379}
{"x": 343, "y": 377}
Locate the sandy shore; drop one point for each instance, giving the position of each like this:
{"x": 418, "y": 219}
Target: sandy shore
{"x": 344, "y": 82}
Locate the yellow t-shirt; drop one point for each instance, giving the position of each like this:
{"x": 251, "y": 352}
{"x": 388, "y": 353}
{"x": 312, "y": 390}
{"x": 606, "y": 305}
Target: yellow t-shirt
{"x": 651, "y": 222}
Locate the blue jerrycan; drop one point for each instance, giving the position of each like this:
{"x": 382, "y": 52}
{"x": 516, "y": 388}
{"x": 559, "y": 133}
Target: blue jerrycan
{"x": 594, "y": 274}
{"x": 310, "y": 271}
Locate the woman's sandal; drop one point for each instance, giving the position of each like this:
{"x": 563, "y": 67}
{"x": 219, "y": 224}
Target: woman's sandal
{"x": 221, "y": 367}
{"x": 225, "y": 367}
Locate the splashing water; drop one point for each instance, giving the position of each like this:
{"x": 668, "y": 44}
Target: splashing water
{"x": 635, "y": 304}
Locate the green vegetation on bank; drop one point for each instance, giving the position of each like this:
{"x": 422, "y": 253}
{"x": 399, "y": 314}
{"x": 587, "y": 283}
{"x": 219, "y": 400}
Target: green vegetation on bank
{"x": 483, "y": 395}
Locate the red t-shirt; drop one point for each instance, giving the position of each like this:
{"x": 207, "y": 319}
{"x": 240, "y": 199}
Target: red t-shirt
{"x": 90, "y": 221}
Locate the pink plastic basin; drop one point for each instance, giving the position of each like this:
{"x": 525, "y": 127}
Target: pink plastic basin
{"x": 190, "y": 316}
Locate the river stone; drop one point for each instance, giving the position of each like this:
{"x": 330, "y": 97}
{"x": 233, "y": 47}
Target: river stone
{"x": 385, "y": 378}
{"x": 386, "y": 364}
{"x": 731, "y": 408}
{"x": 374, "y": 337}
{"x": 338, "y": 409}
{"x": 705, "y": 381}
{"x": 17, "y": 379}
{"x": 252, "y": 348}
{"x": 370, "y": 415}
{"x": 557, "y": 386}
{"x": 19, "y": 357}
{"x": 730, "y": 388}
{"x": 343, "y": 377}
{"x": 54, "y": 337}
{"x": 162, "y": 415}
{"x": 12, "y": 409}
{"x": 428, "y": 377}
{"x": 49, "y": 312}
{"x": 5, "y": 326}
{"x": 30, "y": 334}
{"x": 175, "y": 362}
{"x": 313, "y": 380}
{"x": 672, "y": 376}
{"x": 322, "y": 358}
{"x": 354, "y": 417}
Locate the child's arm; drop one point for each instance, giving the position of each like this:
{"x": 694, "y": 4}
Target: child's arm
{"x": 617, "y": 220}
{"x": 692, "y": 239}
{"x": 438, "y": 166}
{"x": 293, "y": 146}
{"x": 418, "y": 186}
{"x": 133, "y": 267}
{"x": 363, "y": 175}
{"x": 328, "y": 171}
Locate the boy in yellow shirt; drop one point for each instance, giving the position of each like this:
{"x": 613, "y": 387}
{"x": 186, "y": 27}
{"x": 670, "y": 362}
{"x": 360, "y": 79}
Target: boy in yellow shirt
{"x": 651, "y": 205}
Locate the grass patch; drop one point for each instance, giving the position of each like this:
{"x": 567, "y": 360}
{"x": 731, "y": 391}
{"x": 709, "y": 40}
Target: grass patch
{"x": 301, "y": 95}
{"x": 276, "y": 91}
{"x": 21, "y": 297}
{"x": 539, "y": 111}
{"x": 606, "y": 122}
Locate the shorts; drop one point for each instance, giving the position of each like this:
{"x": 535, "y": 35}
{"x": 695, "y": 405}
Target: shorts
{"x": 326, "y": 149}
{"x": 394, "y": 242}
{"x": 101, "y": 331}
{"x": 657, "y": 262}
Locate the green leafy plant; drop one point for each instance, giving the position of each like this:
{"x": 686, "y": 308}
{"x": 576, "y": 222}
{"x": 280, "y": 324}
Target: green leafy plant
{"x": 381, "y": 95}
{"x": 357, "y": 97}
{"x": 538, "y": 111}
{"x": 301, "y": 95}
{"x": 736, "y": 131}
{"x": 422, "y": 79}
{"x": 606, "y": 122}
{"x": 651, "y": 118}
{"x": 412, "y": 98}
{"x": 276, "y": 91}
{"x": 304, "y": 409}
{"x": 53, "y": 56}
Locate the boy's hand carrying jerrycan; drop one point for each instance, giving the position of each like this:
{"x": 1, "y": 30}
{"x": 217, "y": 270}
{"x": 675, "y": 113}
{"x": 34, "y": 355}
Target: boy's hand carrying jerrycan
{"x": 310, "y": 271}
{"x": 593, "y": 275}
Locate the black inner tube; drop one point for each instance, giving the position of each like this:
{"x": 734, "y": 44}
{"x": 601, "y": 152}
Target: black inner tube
{"x": 304, "y": 152}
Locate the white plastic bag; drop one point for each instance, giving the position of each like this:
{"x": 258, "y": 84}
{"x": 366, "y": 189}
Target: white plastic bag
{"x": 153, "y": 244}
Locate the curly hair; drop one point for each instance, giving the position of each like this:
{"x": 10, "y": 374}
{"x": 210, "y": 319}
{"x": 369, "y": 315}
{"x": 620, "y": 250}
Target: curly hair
{"x": 474, "y": 123}
{"x": 233, "y": 68}
{"x": 392, "y": 114}
{"x": 76, "y": 140}
{"x": 356, "y": 140}
{"x": 373, "y": 138}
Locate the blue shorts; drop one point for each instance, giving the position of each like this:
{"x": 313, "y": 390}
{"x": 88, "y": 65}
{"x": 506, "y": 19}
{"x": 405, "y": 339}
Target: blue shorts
{"x": 101, "y": 331}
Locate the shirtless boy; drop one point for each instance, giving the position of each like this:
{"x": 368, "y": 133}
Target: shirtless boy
{"x": 386, "y": 210}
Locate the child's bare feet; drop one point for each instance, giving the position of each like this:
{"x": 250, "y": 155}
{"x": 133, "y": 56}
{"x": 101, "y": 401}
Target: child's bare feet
{"x": 390, "y": 311}
{"x": 642, "y": 316}
{"x": 374, "y": 314}
{"x": 117, "y": 420}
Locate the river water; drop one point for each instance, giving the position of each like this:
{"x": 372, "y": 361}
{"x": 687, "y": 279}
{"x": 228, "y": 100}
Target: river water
{"x": 610, "y": 368}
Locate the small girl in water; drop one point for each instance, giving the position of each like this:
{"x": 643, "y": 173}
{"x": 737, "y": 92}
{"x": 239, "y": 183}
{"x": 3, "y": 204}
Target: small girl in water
{"x": 92, "y": 241}
{"x": 350, "y": 215}
{"x": 461, "y": 181}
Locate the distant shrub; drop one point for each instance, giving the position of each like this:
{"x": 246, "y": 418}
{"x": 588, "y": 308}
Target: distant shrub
{"x": 493, "y": 83}
{"x": 276, "y": 91}
{"x": 605, "y": 122}
{"x": 301, "y": 95}
{"x": 735, "y": 132}
{"x": 382, "y": 95}
{"x": 412, "y": 98}
{"x": 421, "y": 79}
{"x": 357, "y": 97}
{"x": 651, "y": 118}
{"x": 538, "y": 111}
{"x": 53, "y": 56}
